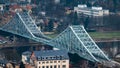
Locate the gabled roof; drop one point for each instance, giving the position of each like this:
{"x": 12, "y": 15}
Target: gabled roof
{"x": 52, "y": 53}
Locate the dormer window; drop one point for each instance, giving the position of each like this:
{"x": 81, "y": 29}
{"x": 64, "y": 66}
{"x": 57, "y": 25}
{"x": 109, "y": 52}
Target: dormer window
{"x": 46, "y": 58}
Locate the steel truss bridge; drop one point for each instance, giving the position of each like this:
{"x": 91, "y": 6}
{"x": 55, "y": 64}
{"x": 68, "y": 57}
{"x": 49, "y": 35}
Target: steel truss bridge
{"x": 74, "y": 39}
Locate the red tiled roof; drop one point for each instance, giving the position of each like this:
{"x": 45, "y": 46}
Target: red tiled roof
{"x": 15, "y": 6}
{"x": 29, "y": 7}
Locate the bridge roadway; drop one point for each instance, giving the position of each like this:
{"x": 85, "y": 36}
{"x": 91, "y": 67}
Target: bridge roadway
{"x": 74, "y": 39}
{"x": 19, "y": 44}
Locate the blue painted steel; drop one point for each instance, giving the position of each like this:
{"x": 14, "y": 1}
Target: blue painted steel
{"x": 23, "y": 25}
{"x": 75, "y": 39}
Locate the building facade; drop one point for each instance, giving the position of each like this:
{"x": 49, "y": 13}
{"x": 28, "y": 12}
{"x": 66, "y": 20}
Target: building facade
{"x": 91, "y": 11}
{"x": 50, "y": 59}
{"x": 26, "y": 57}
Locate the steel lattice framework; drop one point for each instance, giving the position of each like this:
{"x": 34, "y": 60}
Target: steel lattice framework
{"x": 23, "y": 25}
{"x": 75, "y": 39}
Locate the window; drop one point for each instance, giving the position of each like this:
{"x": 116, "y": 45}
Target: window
{"x": 47, "y": 66}
{"x": 39, "y": 66}
{"x": 43, "y": 58}
{"x": 39, "y": 62}
{"x": 43, "y": 66}
{"x": 50, "y": 66}
{"x": 60, "y": 57}
{"x": 64, "y": 66}
{"x": 54, "y": 57}
{"x": 55, "y": 66}
{"x": 46, "y": 57}
{"x": 57, "y": 57}
{"x": 58, "y": 66}
{"x": 51, "y": 61}
{"x": 43, "y": 62}
{"x": 64, "y": 61}
{"x": 58, "y": 61}
{"x": 47, "y": 61}
{"x": 50, "y": 57}
{"x": 55, "y": 61}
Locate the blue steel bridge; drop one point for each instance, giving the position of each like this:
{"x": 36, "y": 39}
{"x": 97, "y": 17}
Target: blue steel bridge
{"x": 74, "y": 39}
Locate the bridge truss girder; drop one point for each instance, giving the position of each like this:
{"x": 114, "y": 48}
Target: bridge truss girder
{"x": 74, "y": 39}
{"x": 69, "y": 40}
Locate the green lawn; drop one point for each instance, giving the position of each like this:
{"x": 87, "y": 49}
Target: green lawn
{"x": 106, "y": 35}
{"x": 51, "y": 35}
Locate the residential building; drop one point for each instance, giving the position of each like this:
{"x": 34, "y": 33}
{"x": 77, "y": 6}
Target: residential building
{"x": 91, "y": 11}
{"x": 57, "y": 1}
{"x": 50, "y": 59}
{"x": 15, "y": 8}
{"x": 1, "y": 7}
{"x": 26, "y": 0}
{"x": 3, "y": 63}
{"x": 2, "y": 4}
{"x": 26, "y": 57}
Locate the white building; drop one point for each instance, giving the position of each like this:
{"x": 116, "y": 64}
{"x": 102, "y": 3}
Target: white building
{"x": 93, "y": 11}
{"x": 57, "y": 1}
{"x": 26, "y": 57}
{"x": 50, "y": 59}
{"x": 29, "y": 1}
{"x": 2, "y": 4}
{"x": 1, "y": 7}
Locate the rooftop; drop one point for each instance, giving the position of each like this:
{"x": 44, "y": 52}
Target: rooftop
{"x": 52, "y": 53}
{"x": 26, "y": 53}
